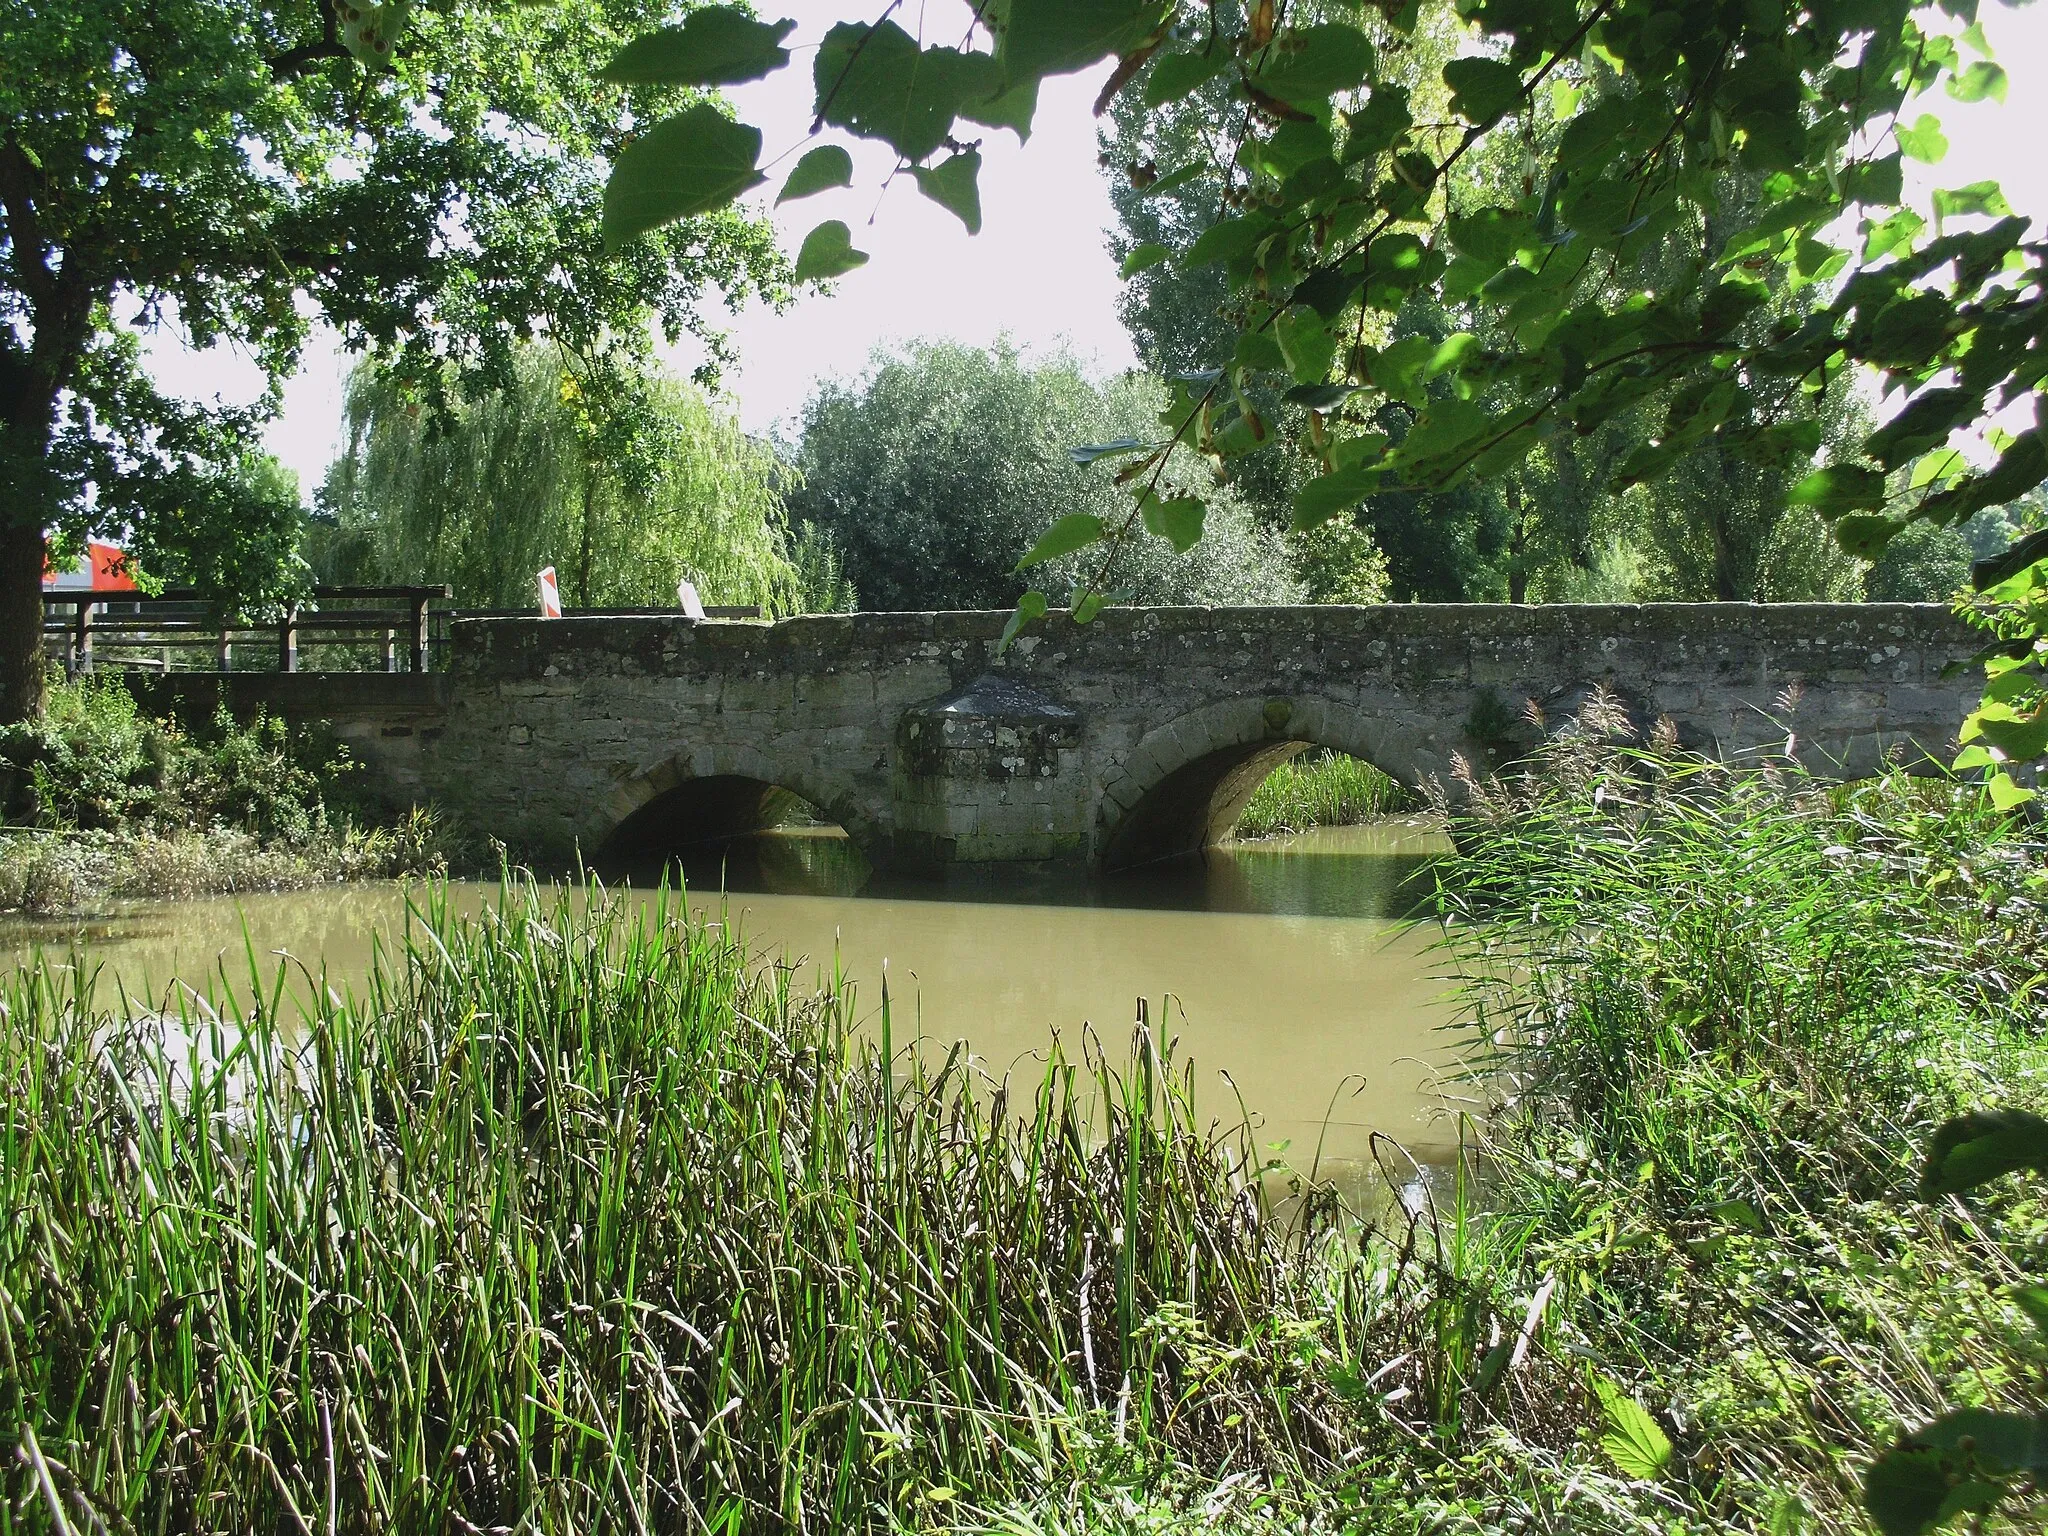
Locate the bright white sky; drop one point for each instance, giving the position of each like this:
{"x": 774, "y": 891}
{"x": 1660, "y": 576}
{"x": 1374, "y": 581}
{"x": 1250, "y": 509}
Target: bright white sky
{"x": 1040, "y": 270}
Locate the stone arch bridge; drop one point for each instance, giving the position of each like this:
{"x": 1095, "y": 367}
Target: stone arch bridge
{"x": 1131, "y": 739}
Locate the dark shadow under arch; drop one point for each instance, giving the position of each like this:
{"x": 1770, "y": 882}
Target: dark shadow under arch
{"x": 1197, "y": 805}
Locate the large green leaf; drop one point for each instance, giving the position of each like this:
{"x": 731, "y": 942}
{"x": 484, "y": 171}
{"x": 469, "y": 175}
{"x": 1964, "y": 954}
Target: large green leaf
{"x": 1150, "y": 254}
{"x": 1057, "y": 37}
{"x": 876, "y": 82}
{"x": 953, "y": 184}
{"x": 1329, "y": 495}
{"x": 823, "y": 168}
{"x": 715, "y": 46}
{"x": 1306, "y": 68}
{"x": 1980, "y": 1146}
{"x": 1178, "y": 74}
{"x": 827, "y": 252}
{"x": 1031, "y": 606}
{"x": 1077, "y": 530}
{"x": 1634, "y": 1441}
{"x": 1178, "y": 520}
{"x": 696, "y": 161}
{"x": 1482, "y": 89}
{"x": 1839, "y": 488}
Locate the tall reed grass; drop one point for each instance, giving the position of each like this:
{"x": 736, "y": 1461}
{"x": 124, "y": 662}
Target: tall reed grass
{"x": 1717, "y": 1011}
{"x": 1320, "y": 789}
{"x": 580, "y": 1219}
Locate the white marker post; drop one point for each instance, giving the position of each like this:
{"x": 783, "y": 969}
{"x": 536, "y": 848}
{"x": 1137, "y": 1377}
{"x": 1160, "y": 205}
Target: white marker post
{"x": 686, "y": 595}
{"x": 550, "y": 594}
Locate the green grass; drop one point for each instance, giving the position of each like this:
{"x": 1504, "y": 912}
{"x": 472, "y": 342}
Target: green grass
{"x": 580, "y": 1220}
{"x": 1721, "y": 1013}
{"x": 1320, "y": 789}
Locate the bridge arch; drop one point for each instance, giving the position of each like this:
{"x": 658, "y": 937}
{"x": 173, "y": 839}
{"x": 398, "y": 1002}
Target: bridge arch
{"x": 1184, "y": 785}
{"x": 708, "y": 794}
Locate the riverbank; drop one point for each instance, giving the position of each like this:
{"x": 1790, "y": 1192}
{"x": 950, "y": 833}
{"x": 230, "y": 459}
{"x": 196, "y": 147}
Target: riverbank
{"x": 100, "y": 802}
{"x": 578, "y": 1209}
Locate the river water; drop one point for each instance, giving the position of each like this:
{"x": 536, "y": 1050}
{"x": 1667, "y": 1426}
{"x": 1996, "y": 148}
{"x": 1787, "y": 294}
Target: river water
{"x": 1286, "y": 968}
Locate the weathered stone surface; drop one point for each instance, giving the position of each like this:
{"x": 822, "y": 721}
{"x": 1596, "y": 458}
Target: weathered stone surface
{"x": 1127, "y": 738}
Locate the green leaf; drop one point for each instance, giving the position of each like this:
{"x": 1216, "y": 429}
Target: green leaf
{"x": 1013, "y": 109}
{"x": 1378, "y": 125}
{"x": 1194, "y": 170}
{"x": 1331, "y": 495}
{"x": 718, "y": 45}
{"x": 2033, "y": 1300}
{"x": 1077, "y": 530}
{"x": 1306, "y": 343}
{"x": 1491, "y": 235}
{"x": 828, "y": 252}
{"x": 1150, "y": 254}
{"x": 1178, "y": 521}
{"x": 1895, "y": 233}
{"x": 691, "y": 163}
{"x": 1839, "y": 488}
{"x": 1057, "y": 37}
{"x": 1306, "y": 68}
{"x": 1089, "y": 453}
{"x": 823, "y": 168}
{"x": 954, "y": 185}
{"x": 1483, "y": 90}
{"x": 1980, "y": 80}
{"x": 1400, "y": 369}
{"x": 1320, "y": 397}
{"x": 1226, "y": 240}
{"x": 1980, "y": 1146}
{"x": 1905, "y": 1489}
{"x": 1179, "y": 74}
{"x": 1925, "y": 423}
{"x": 1030, "y": 606}
{"x": 2006, "y": 794}
{"x": 1923, "y": 141}
{"x": 1258, "y": 350}
{"x": 1865, "y": 534}
{"x": 1634, "y": 1441}
{"x": 1978, "y": 197}
{"x": 876, "y": 82}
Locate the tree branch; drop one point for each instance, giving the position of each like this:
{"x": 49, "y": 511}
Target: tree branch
{"x": 294, "y": 62}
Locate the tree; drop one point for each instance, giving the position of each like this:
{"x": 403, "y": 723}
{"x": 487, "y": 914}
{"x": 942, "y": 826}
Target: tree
{"x": 625, "y": 484}
{"x": 432, "y": 186}
{"x": 1332, "y": 208}
{"x": 934, "y": 472}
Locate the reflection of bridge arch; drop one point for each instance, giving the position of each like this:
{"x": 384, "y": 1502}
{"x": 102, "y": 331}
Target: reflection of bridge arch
{"x": 1186, "y": 783}
{"x": 720, "y": 791}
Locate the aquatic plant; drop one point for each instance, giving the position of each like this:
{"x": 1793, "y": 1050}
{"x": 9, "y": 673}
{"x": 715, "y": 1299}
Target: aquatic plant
{"x": 581, "y": 1218}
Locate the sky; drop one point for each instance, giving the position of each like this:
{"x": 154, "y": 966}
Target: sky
{"x": 1039, "y": 271}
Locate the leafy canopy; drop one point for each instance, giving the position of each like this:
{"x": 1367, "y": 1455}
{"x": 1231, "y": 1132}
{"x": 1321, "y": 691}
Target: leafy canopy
{"x": 1333, "y": 182}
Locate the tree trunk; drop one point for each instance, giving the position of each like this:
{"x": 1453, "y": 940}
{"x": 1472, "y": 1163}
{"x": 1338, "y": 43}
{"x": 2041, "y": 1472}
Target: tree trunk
{"x": 21, "y": 617}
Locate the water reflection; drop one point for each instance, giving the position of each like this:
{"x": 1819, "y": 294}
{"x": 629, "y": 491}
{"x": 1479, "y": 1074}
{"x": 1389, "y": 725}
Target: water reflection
{"x": 1376, "y": 870}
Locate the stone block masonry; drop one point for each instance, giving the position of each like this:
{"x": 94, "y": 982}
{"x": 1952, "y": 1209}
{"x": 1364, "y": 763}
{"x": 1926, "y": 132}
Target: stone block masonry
{"x": 1137, "y": 736}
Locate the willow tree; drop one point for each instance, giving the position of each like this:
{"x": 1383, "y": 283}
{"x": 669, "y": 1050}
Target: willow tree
{"x": 427, "y": 180}
{"x": 623, "y": 479}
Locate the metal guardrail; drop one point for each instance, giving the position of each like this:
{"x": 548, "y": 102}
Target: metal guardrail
{"x": 85, "y": 628}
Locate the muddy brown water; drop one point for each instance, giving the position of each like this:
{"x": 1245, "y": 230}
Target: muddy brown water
{"x": 1288, "y": 969}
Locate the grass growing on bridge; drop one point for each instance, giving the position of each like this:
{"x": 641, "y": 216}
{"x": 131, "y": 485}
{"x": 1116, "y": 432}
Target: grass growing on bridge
{"x": 1320, "y": 789}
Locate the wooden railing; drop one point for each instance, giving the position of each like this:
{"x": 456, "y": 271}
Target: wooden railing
{"x": 128, "y": 622}
{"x": 85, "y": 629}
